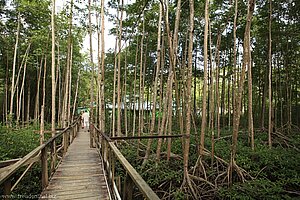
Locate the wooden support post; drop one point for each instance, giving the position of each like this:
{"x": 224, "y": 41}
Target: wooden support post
{"x": 7, "y": 189}
{"x": 65, "y": 141}
{"x": 71, "y": 138}
{"x": 113, "y": 165}
{"x": 44, "y": 164}
{"x": 118, "y": 183}
{"x": 74, "y": 132}
{"x": 128, "y": 188}
{"x": 53, "y": 156}
{"x": 91, "y": 136}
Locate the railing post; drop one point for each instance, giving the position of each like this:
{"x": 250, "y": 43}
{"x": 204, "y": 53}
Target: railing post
{"x": 128, "y": 188}
{"x": 7, "y": 189}
{"x": 71, "y": 135}
{"x": 65, "y": 141}
{"x": 53, "y": 156}
{"x": 92, "y": 136}
{"x": 44, "y": 164}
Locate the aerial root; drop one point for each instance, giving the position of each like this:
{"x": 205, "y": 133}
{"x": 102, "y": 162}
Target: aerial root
{"x": 202, "y": 180}
{"x": 199, "y": 167}
{"x": 287, "y": 141}
{"x": 189, "y": 187}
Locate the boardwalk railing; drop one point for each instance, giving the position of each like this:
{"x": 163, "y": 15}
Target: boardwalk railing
{"x": 110, "y": 153}
{"x": 52, "y": 150}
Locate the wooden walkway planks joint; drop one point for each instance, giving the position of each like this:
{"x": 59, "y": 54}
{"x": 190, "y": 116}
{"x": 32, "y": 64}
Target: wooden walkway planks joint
{"x": 80, "y": 174}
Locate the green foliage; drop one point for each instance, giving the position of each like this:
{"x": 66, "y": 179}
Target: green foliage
{"x": 276, "y": 171}
{"x": 17, "y": 143}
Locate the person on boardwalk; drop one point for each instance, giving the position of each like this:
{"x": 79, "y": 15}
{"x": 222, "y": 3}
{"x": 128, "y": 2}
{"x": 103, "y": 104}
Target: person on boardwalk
{"x": 85, "y": 117}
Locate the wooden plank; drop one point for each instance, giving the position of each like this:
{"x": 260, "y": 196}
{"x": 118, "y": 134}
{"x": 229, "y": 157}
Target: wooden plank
{"x": 80, "y": 174}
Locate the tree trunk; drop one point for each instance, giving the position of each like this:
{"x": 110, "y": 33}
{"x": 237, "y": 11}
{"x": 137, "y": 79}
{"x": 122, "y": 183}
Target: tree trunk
{"x": 188, "y": 97}
{"x": 53, "y": 150}
{"x": 119, "y": 69}
{"x": 235, "y": 67}
{"x": 37, "y": 97}
{"x": 204, "y": 98}
{"x": 141, "y": 90}
{"x": 92, "y": 64}
{"x": 239, "y": 94}
{"x": 134, "y": 89}
{"x": 53, "y": 69}
{"x": 76, "y": 94}
{"x": 22, "y": 86}
{"x": 42, "y": 125}
{"x": 13, "y": 74}
{"x": 28, "y": 105}
{"x": 270, "y": 127}
{"x": 250, "y": 114}
{"x": 155, "y": 83}
{"x": 102, "y": 105}
{"x": 114, "y": 91}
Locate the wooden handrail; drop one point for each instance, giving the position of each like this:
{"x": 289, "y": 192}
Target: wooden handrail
{"x": 8, "y": 171}
{"x": 145, "y": 137}
{"x": 135, "y": 177}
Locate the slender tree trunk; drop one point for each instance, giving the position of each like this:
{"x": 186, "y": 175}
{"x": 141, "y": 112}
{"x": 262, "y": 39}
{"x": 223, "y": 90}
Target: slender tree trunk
{"x": 53, "y": 150}
{"x": 246, "y": 62}
{"x": 13, "y": 74}
{"x": 141, "y": 90}
{"x": 119, "y": 70}
{"x": 23, "y": 83}
{"x": 155, "y": 83}
{"x": 58, "y": 80}
{"x": 189, "y": 99}
{"x": 6, "y": 90}
{"x": 99, "y": 103}
{"x": 250, "y": 112}
{"x": 42, "y": 124}
{"x": 76, "y": 94}
{"x": 37, "y": 97}
{"x": 134, "y": 90}
{"x": 223, "y": 106}
{"x": 125, "y": 96}
{"x": 270, "y": 127}
{"x": 102, "y": 100}
{"x": 204, "y": 98}
{"x": 92, "y": 65}
{"x": 28, "y": 104}
{"x": 114, "y": 92}
{"x": 218, "y": 124}
{"x": 235, "y": 67}
{"x": 70, "y": 86}
{"x": 102, "y": 105}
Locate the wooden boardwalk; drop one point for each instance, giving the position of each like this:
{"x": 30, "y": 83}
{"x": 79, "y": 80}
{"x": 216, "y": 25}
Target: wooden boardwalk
{"x": 80, "y": 174}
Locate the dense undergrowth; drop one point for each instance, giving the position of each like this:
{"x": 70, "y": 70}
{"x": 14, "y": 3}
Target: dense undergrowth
{"x": 16, "y": 143}
{"x": 275, "y": 172}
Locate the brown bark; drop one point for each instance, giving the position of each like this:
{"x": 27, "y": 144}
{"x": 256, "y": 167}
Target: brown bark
{"x": 155, "y": 83}
{"x": 92, "y": 65}
{"x": 246, "y": 63}
{"x": 53, "y": 69}
{"x": 270, "y": 127}
{"x": 204, "y": 98}
{"x": 141, "y": 88}
{"x": 235, "y": 67}
{"x": 119, "y": 70}
{"x": 102, "y": 104}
